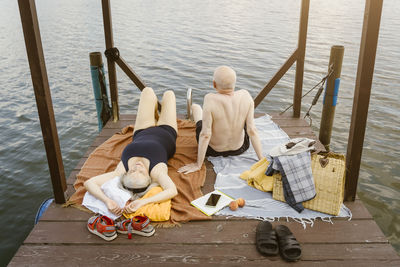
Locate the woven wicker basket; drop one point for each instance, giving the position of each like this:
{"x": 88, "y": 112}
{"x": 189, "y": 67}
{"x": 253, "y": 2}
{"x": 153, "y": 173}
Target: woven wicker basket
{"x": 329, "y": 177}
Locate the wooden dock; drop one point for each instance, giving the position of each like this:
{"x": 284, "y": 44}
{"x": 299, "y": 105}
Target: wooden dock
{"x": 61, "y": 238}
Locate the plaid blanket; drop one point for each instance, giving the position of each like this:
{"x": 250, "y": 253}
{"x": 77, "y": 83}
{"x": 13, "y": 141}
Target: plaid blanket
{"x": 297, "y": 180}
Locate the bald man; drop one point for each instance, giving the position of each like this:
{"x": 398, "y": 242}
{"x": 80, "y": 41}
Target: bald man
{"x": 226, "y": 124}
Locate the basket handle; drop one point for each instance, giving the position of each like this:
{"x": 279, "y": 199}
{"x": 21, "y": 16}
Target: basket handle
{"x": 324, "y": 161}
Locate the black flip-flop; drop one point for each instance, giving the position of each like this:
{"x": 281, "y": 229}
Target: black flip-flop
{"x": 266, "y": 241}
{"x": 289, "y": 247}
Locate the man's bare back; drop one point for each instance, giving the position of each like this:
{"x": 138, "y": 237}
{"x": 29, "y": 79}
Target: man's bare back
{"x": 228, "y": 117}
{"x": 222, "y": 121}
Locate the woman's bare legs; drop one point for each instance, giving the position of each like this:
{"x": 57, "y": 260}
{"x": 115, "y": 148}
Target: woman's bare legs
{"x": 168, "y": 110}
{"x": 148, "y": 104}
{"x": 197, "y": 112}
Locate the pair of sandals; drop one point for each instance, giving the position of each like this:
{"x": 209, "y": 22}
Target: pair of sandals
{"x": 271, "y": 241}
{"x": 107, "y": 229}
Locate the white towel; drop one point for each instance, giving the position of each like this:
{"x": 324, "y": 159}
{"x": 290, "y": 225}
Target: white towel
{"x": 299, "y": 145}
{"x": 111, "y": 190}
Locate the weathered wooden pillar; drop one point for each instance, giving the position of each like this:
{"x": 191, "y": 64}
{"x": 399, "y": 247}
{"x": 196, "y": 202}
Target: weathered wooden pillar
{"x": 362, "y": 92}
{"x": 112, "y": 73}
{"x": 301, "y": 52}
{"x": 331, "y": 94}
{"x": 34, "y": 49}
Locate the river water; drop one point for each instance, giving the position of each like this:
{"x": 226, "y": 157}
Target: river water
{"x": 176, "y": 44}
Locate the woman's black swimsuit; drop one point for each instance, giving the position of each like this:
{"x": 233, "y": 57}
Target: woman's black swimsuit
{"x": 157, "y": 144}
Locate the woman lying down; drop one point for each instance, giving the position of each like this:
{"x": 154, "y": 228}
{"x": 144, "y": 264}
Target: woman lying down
{"x": 143, "y": 167}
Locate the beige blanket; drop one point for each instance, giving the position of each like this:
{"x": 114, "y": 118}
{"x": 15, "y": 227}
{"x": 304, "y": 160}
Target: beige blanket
{"x": 106, "y": 157}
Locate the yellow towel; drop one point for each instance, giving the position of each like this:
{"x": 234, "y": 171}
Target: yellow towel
{"x": 157, "y": 212}
{"x": 256, "y": 177}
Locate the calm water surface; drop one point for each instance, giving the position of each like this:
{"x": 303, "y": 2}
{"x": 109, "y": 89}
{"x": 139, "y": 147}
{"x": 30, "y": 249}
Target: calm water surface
{"x": 175, "y": 45}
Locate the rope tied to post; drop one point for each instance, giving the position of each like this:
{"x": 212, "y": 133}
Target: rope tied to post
{"x": 112, "y": 53}
{"x": 317, "y": 95}
{"x": 106, "y": 109}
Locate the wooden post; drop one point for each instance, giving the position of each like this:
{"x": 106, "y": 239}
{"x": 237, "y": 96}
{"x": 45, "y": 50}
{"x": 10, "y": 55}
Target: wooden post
{"x": 301, "y": 52}
{"x": 95, "y": 59}
{"x": 33, "y": 42}
{"x": 330, "y": 96}
{"x": 362, "y": 92}
{"x": 112, "y": 73}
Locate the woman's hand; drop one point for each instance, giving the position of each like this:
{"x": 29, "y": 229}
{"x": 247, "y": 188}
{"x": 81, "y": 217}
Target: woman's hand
{"x": 113, "y": 207}
{"x": 135, "y": 205}
{"x": 192, "y": 167}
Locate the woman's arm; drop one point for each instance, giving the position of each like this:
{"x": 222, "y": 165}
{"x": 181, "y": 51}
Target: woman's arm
{"x": 159, "y": 174}
{"x": 93, "y": 186}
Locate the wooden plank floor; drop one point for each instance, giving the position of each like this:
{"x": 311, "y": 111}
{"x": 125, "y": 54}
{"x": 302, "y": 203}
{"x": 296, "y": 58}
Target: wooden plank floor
{"x": 61, "y": 238}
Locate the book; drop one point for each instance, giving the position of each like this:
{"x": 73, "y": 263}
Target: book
{"x": 200, "y": 203}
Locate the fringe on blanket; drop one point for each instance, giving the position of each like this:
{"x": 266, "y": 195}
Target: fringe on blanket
{"x": 303, "y": 221}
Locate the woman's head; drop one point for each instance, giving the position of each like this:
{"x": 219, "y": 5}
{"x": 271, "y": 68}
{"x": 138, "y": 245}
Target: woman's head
{"x": 136, "y": 180}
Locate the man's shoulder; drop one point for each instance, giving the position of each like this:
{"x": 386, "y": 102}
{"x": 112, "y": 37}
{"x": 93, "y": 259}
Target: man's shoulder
{"x": 243, "y": 92}
{"x": 209, "y": 101}
{"x": 244, "y": 95}
{"x": 210, "y": 97}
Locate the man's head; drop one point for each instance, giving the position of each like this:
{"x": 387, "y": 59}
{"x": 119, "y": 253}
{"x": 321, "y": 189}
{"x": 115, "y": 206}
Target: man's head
{"x": 224, "y": 79}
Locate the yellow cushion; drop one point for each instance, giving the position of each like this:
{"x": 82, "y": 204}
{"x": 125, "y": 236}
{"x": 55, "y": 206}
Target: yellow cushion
{"x": 256, "y": 177}
{"x": 157, "y": 212}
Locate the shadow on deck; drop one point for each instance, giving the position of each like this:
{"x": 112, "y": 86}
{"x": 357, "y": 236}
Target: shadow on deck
{"x": 61, "y": 236}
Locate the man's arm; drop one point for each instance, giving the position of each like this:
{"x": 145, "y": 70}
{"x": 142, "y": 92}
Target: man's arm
{"x": 160, "y": 175}
{"x": 252, "y": 130}
{"x": 204, "y": 138}
{"x": 206, "y": 132}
